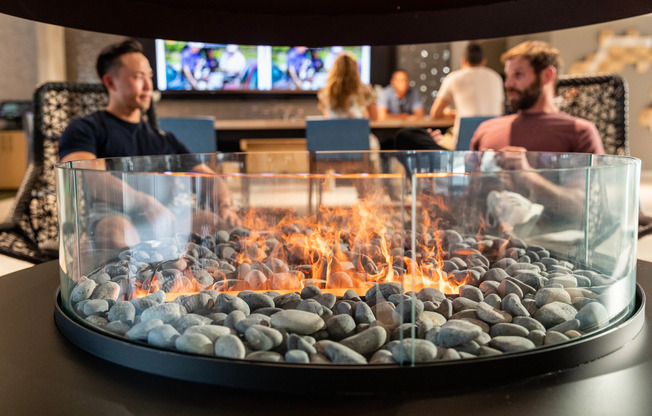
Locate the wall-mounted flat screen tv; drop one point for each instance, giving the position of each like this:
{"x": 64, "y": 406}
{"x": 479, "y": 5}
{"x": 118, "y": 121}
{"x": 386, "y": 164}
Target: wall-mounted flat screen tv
{"x": 209, "y": 67}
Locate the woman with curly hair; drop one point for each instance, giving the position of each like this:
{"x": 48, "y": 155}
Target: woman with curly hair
{"x": 344, "y": 94}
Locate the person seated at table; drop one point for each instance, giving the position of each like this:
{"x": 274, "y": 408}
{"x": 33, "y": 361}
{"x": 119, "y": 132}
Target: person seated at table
{"x": 398, "y": 100}
{"x": 531, "y": 70}
{"x": 119, "y": 130}
{"x": 474, "y": 90}
{"x": 345, "y": 96}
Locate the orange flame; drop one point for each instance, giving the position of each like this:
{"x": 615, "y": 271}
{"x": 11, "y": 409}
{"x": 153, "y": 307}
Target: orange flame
{"x": 336, "y": 249}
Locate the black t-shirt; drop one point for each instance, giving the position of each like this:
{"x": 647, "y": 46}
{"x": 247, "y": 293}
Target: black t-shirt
{"x": 105, "y": 135}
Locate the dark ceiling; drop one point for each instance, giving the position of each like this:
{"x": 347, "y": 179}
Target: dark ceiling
{"x": 317, "y": 23}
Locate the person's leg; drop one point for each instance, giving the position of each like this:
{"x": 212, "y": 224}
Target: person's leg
{"x": 412, "y": 138}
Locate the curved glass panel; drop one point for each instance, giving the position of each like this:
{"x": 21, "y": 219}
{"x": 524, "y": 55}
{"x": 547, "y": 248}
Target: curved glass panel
{"x": 354, "y": 258}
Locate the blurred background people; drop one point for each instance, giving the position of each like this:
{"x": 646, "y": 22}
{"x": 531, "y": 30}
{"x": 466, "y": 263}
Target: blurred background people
{"x": 474, "y": 90}
{"x": 344, "y": 94}
{"x": 531, "y": 70}
{"x": 398, "y": 100}
{"x": 120, "y": 130}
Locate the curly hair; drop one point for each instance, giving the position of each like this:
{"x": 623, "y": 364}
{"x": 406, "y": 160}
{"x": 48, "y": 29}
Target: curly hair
{"x": 342, "y": 84}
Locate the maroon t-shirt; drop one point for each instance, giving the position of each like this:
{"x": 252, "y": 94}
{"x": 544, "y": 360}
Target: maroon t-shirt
{"x": 540, "y": 132}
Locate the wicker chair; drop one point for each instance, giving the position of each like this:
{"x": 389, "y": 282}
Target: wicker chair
{"x": 31, "y": 230}
{"x": 602, "y": 99}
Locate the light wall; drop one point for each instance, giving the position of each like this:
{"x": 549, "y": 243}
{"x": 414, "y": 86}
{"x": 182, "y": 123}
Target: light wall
{"x": 68, "y": 54}
{"x": 17, "y": 74}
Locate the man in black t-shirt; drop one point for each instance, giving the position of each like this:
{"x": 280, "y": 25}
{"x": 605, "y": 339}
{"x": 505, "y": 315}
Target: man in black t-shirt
{"x": 120, "y": 131}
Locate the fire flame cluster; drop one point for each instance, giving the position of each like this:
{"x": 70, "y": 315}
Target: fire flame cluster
{"x": 344, "y": 248}
{"x": 336, "y": 249}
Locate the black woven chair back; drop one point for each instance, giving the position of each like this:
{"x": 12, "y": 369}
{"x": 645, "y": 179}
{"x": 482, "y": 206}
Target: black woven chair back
{"x": 32, "y": 229}
{"x": 601, "y": 99}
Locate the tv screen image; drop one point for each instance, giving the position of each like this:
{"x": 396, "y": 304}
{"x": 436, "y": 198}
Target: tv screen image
{"x": 197, "y": 66}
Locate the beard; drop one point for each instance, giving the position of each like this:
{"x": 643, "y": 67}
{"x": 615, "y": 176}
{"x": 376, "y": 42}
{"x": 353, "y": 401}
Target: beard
{"x": 527, "y": 97}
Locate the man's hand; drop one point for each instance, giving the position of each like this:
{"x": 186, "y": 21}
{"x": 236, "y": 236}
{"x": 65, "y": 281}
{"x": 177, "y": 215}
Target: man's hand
{"x": 156, "y": 213}
{"x": 513, "y": 158}
{"x": 228, "y": 216}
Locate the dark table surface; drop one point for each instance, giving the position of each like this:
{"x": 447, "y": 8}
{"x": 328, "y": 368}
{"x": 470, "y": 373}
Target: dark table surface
{"x": 42, "y": 373}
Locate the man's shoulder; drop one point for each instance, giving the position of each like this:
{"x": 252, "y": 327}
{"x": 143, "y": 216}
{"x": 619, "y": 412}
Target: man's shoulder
{"x": 387, "y": 90}
{"x": 494, "y": 125}
{"x": 500, "y": 120}
{"x": 386, "y": 93}
{"x": 96, "y": 118}
{"x": 579, "y": 122}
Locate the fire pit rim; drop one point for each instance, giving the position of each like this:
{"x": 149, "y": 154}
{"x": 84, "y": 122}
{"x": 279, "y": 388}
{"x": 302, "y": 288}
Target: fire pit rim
{"x": 568, "y": 354}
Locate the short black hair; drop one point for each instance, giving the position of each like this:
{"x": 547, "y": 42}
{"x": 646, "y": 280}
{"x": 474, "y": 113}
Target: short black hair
{"x": 109, "y": 57}
{"x": 473, "y": 54}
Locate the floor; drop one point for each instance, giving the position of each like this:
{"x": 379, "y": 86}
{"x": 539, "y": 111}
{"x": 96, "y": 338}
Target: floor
{"x": 644, "y": 249}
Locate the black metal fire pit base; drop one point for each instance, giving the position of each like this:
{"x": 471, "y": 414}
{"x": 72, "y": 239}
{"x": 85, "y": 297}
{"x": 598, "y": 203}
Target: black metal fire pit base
{"x": 298, "y": 378}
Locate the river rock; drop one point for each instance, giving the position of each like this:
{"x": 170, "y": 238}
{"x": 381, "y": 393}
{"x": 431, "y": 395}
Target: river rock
{"x": 340, "y": 326}
{"x": 341, "y": 354}
{"x": 415, "y": 351}
{"x": 166, "y": 312}
{"x": 195, "y": 344}
{"x": 256, "y": 300}
{"x": 263, "y": 338}
{"x": 229, "y": 346}
{"x": 163, "y": 336}
{"x": 299, "y": 322}
{"x": 548, "y": 295}
{"x": 297, "y": 356}
{"x": 227, "y": 303}
{"x": 139, "y": 331}
{"x": 593, "y": 316}
{"x": 456, "y": 332}
{"x": 367, "y": 341}
{"x": 509, "y": 329}
{"x": 83, "y": 290}
{"x": 492, "y": 315}
{"x": 213, "y": 332}
{"x": 511, "y": 344}
{"x": 555, "y": 313}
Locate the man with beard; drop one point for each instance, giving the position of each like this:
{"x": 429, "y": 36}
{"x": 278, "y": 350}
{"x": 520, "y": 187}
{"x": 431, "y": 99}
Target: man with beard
{"x": 538, "y": 126}
{"x": 530, "y": 73}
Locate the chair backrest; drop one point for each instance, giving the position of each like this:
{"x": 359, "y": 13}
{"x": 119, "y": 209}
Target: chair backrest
{"x": 197, "y": 133}
{"x": 601, "y": 99}
{"x": 468, "y": 125}
{"x": 337, "y": 134}
{"x": 56, "y": 104}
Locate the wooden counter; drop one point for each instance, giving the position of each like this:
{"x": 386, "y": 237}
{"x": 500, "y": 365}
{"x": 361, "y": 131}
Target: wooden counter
{"x": 13, "y": 158}
{"x": 278, "y": 124}
{"x": 231, "y": 132}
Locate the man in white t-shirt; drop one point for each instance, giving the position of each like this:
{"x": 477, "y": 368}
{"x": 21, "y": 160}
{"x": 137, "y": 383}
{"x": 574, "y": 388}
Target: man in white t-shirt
{"x": 474, "y": 90}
